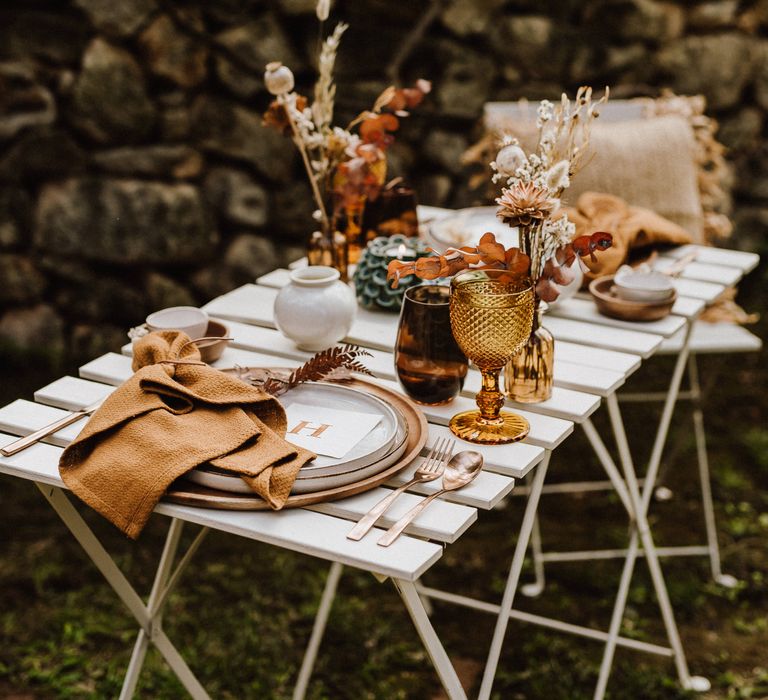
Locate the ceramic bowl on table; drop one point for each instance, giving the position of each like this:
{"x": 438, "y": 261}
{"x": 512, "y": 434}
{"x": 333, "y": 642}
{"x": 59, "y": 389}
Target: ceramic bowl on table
{"x": 216, "y": 335}
{"x": 642, "y": 284}
{"x": 188, "y": 319}
{"x": 609, "y": 303}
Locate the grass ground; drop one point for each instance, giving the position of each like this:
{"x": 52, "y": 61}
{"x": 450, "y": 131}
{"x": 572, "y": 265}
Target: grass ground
{"x": 244, "y": 610}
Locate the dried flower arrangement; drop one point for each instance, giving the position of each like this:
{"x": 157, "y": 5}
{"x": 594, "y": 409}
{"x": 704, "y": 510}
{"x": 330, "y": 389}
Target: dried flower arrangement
{"x": 530, "y": 201}
{"x": 344, "y": 168}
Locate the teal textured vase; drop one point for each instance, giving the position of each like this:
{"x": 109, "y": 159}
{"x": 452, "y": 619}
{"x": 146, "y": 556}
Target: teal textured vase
{"x": 371, "y": 286}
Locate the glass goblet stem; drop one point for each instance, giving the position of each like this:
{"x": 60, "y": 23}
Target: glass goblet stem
{"x": 490, "y": 399}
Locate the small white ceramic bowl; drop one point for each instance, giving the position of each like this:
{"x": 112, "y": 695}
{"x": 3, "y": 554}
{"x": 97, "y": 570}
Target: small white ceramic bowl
{"x": 641, "y": 285}
{"x": 189, "y": 319}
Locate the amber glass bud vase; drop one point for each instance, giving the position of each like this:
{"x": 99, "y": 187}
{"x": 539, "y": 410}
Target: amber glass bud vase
{"x": 326, "y": 248}
{"x": 528, "y": 376}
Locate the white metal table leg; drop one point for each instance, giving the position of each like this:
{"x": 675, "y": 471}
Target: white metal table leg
{"x": 321, "y": 619}
{"x": 536, "y": 588}
{"x": 514, "y": 576}
{"x": 431, "y": 641}
{"x": 640, "y": 528}
{"x": 719, "y": 577}
{"x": 161, "y": 577}
{"x": 117, "y": 581}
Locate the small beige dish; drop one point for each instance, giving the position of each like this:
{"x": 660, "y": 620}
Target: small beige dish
{"x": 189, "y": 319}
{"x": 218, "y": 335}
{"x": 603, "y": 291}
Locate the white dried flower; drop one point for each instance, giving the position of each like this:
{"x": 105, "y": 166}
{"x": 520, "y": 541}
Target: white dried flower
{"x": 557, "y": 177}
{"x": 323, "y": 9}
{"x": 510, "y": 158}
{"x": 278, "y": 78}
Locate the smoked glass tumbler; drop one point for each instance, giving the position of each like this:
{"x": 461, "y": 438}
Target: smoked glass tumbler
{"x": 429, "y": 364}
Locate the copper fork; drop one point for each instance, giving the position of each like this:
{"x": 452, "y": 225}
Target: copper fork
{"x": 431, "y": 468}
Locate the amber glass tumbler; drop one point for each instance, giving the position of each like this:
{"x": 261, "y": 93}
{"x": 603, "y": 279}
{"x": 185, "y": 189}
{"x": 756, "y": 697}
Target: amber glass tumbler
{"x": 429, "y": 364}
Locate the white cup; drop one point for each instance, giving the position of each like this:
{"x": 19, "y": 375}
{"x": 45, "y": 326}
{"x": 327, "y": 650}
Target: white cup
{"x": 189, "y": 319}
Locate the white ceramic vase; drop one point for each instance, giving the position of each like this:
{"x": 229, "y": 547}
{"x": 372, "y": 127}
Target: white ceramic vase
{"x": 315, "y": 310}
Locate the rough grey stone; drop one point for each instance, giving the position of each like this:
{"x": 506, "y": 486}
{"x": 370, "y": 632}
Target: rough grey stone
{"x": 217, "y": 279}
{"x": 298, "y": 7}
{"x": 465, "y": 17}
{"x": 434, "y": 190}
{"x": 622, "y": 57}
{"x": 237, "y": 196}
{"x": 163, "y": 291}
{"x": 104, "y": 297}
{"x": 255, "y": 44}
{"x": 55, "y": 37}
{"x": 465, "y": 83}
{"x": 87, "y": 341}
{"x": 540, "y": 48}
{"x": 226, "y": 128}
{"x": 251, "y": 254}
{"x": 175, "y": 123}
{"x": 173, "y": 54}
{"x": 712, "y": 15}
{"x": 761, "y": 74}
{"x": 446, "y": 148}
{"x": 741, "y": 131}
{"x": 109, "y": 99}
{"x": 35, "y": 334}
{"x": 124, "y": 221}
{"x": 22, "y": 282}
{"x": 25, "y": 103}
{"x": 15, "y": 216}
{"x": 293, "y": 206}
{"x": 718, "y": 66}
{"x": 652, "y": 21}
{"x": 751, "y": 229}
{"x": 175, "y": 161}
{"x": 122, "y": 18}
{"x": 40, "y": 154}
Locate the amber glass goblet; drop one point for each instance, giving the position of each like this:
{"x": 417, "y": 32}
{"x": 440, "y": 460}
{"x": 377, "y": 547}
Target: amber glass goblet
{"x": 491, "y": 318}
{"x": 429, "y": 364}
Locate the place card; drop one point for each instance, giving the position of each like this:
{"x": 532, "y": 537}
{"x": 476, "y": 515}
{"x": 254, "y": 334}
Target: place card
{"x": 327, "y": 431}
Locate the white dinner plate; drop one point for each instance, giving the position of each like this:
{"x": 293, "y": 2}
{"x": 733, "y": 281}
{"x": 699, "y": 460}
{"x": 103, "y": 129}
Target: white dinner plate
{"x": 381, "y": 442}
{"x": 466, "y": 227}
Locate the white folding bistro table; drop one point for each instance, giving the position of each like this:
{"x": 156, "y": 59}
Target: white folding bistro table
{"x": 582, "y": 380}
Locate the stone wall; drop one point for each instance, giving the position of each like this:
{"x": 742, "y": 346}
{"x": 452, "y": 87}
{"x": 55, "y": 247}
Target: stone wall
{"x": 135, "y": 173}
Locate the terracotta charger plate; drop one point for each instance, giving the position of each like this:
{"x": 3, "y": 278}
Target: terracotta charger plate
{"x": 187, "y": 493}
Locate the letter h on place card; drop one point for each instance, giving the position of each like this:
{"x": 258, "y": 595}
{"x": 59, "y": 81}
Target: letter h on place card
{"x": 327, "y": 431}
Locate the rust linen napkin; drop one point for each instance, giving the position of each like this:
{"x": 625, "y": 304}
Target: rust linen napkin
{"x": 632, "y": 227}
{"x": 174, "y": 414}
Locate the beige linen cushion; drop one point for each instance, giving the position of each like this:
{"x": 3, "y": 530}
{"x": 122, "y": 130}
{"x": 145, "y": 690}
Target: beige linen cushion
{"x": 649, "y": 163}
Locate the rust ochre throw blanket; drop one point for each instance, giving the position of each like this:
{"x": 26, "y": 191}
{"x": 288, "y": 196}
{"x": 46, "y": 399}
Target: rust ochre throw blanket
{"x": 632, "y": 227}
{"x": 171, "y": 416}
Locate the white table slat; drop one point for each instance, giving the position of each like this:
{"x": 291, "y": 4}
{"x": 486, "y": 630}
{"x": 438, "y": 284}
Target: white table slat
{"x": 719, "y": 274}
{"x": 298, "y": 530}
{"x": 68, "y": 393}
{"x": 744, "y": 261}
{"x": 713, "y": 338}
{"x": 546, "y": 431}
{"x": 441, "y": 521}
{"x": 586, "y": 310}
{"x": 643, "y": 344}
{"x": 24, "y": 417}
{"x": 600, "y": 358}
{"x": 276, "y": 278}
{"x": 706, "y": 291}
{"x": 486, "y": 491}
{"x": 318, "y": 535}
